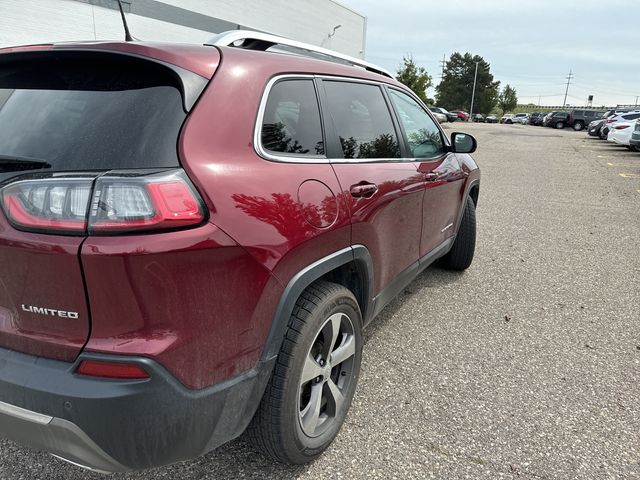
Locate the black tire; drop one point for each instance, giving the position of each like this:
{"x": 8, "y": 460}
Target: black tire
{"x": 578, "y": 126}
{"x": 278, "y": 427}
{"x": 560, "y": 125}
{"x": 509, "y": 122}
{"x": 461, "y": 254}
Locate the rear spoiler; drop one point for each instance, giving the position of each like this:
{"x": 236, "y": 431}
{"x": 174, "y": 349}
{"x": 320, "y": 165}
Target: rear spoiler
{"x": 190, "y": 84}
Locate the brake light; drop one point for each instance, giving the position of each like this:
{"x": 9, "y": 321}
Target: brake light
{"x": 611, "y": 120}
{"x": 621, "y": 127}
{"x": 119, "y": 202}
{"x": 143, "y": 203}
{"x": 114, "y": 370}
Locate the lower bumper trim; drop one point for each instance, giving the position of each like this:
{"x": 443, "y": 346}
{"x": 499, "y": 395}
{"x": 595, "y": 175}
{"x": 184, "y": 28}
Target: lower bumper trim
{"x": 60, "y": 437}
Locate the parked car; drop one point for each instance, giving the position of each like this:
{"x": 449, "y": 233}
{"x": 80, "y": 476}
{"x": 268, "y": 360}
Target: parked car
{"x": 521, "y": 118}
{"x": 594, "y": 127}
{"x": 538, "y": 119}
{"x": 491, "y": 119}
{"x": 464, "y": 116}
{"x": 621, "y": 133}
{"x": 451, "y": 117}
{"x": 533, "y": 117}
{"x": 508, "y": 118}
{"x": 613, "y": 119}
{"x": 557, "y": 120}
{"x": 578, "y": 119}
{"x": 546, "y": 118}
{"x": 634, "y": 142}
{"x": 441, "y": 117}
{"x": 478, "y": 118}
{"x": 180, "y": 259}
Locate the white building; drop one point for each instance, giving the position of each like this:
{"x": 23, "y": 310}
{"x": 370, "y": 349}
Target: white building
{"x": 321, "y": 22}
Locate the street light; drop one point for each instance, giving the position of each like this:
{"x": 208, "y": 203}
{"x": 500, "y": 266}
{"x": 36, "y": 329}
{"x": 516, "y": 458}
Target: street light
{"x": 473, "y": 94}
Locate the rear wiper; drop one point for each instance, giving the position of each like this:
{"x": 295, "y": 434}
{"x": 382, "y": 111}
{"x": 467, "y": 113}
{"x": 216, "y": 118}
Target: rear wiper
{"x": 11, "y": 163}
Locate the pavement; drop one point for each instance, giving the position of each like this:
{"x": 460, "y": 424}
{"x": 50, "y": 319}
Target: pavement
{"x": 526, "y": 365}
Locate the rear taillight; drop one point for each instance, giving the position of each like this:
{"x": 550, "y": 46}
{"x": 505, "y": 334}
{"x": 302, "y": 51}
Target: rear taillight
{"x": 113, "y": 370}
{"x": 122, "y": 203}
{"x": 55, "y": 205}
{"x": 621, "y": 127}
{"x": 611, "y": 120}
{"x": 119, "y": 202}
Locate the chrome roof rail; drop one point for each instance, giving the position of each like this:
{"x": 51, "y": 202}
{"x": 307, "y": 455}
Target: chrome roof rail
{"x": 262, "y": 41}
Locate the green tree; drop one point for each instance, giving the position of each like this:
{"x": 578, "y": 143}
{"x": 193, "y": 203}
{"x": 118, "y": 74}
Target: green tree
{"x": 416, "y": 78}
{"x": 455, "y": 90}
{"x": 508, "y": 99}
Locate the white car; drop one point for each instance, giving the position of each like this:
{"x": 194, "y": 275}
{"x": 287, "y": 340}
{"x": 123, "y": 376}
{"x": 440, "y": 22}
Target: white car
{"x": 521, "y": 118}
{"x": 441, "y": 117}
{"x": 508, "y": 118}
{"x": 614, "y": 120}
{"x": 621, "y": 132}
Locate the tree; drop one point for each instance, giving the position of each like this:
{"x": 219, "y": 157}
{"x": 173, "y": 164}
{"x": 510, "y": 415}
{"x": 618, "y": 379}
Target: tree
{"x": 416, "y": 78}
{"x": 455, "y": 90}
{"x": 508, "y": 99}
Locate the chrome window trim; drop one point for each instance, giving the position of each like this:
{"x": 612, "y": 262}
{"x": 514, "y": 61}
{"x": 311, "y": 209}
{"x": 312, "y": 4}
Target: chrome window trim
{"x": 257, "y": 133}
{"x": 445, "y": 140}
{"x": 320, "y": 159}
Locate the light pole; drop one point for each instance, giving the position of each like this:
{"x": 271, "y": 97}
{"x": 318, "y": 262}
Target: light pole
{"x": 473, "y": 93}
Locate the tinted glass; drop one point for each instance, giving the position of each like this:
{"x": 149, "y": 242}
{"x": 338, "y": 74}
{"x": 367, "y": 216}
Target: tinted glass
{"x": 79, "y": 114}
{"x": 362, "y": 120}
{"x": 423, "y": 134}
{"x": 291, "y": 122}
{"x": 631, "y": 116}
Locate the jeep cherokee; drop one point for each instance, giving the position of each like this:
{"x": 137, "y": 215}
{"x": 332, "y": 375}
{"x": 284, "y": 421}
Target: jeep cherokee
{"x": 193, "y": 237}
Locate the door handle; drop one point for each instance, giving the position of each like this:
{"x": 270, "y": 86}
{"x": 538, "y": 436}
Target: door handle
{"x": 365, "y": 190}
{"x": 431, "y": 176}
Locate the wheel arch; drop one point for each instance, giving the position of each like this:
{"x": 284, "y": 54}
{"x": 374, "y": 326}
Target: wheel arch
{"x": 474, "y": 192}
{"x": 351, "y": 267}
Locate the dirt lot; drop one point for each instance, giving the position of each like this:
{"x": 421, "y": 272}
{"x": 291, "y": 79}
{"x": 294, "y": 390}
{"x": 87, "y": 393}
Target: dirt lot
{"x": 526, "y": 365}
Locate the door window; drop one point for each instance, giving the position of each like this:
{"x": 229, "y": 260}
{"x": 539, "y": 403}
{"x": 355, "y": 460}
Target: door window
{"x": 291, "y": 121}
{"x": 362, "y": 120}
{"x": 425, "y": 140}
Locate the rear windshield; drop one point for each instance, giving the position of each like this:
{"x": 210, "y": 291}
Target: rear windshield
{"x": 89, "y": 112}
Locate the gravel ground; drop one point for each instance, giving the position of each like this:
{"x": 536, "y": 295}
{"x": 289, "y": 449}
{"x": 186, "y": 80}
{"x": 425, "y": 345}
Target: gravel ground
{"x": 527, "y": 365}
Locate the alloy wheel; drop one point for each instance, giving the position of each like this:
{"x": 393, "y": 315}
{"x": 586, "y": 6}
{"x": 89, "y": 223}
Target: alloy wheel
{"x": 326, "y": 375}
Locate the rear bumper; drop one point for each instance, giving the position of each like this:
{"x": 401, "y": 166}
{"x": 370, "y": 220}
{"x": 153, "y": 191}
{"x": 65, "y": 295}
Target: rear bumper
{"x": 118, "y": 426}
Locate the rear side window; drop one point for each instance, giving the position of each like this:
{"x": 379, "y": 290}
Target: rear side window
{"x": 96, "y": 112}
{"x": 362, "y": 120}
{"x": 631, "y": 116}
{"x": 422, "y": 133}
{"x": 291, "y": 121}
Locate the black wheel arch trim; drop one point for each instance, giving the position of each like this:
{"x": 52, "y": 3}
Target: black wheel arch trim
{"x": 356, "y": 254}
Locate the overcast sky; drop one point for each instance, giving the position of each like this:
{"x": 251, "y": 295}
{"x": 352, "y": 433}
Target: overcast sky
{"x": 529, "y": 44}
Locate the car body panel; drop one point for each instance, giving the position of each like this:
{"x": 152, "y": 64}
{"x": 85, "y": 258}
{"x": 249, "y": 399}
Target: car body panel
{"x": 204, "y": 310}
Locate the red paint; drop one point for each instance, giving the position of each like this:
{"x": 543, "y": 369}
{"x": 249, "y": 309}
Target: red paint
{"x": 201, "y": 301}
{"x": 41, "y": 271}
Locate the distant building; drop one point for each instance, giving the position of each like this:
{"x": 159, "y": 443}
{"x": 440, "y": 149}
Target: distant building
{"x": 189, "y": 21}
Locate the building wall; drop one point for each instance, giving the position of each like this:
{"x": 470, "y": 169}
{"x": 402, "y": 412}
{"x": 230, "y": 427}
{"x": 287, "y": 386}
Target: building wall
{"x": 188, "y": 21}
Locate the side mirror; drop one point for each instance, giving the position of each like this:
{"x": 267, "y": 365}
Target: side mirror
{"x": 463, "y": 143}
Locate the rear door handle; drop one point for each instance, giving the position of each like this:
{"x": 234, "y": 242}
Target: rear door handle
{"x": 365, "y": 190}
{"x": 431, "y": 176}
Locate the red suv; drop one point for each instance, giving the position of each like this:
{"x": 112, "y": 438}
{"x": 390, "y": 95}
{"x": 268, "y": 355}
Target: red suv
{"x": 193, "y": 237}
